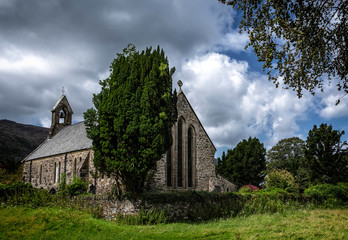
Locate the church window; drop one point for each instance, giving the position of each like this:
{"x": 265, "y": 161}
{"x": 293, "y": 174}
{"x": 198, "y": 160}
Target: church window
{"x": 55, "y": 172}
{"x": 169, "y": 167}
{"x": 58, "y": 179}
{"x": 180, "y": 160}
{"x": 40, "y": 176}
{"x": 189, "y": 157}
{"x": 75, "y": 168}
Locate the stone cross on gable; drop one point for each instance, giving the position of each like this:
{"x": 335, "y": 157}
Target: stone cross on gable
{"x": 63, "y": 91}
{"x": 180, "y": 85}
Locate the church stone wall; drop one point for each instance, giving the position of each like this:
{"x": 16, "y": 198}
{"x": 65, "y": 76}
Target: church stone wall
{"x": 202, "y": 153}
{"x": 46, "y": 172}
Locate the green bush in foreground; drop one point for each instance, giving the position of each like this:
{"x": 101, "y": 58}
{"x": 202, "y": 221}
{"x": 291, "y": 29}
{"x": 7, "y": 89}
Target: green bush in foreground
{"x": 328, "y": 191}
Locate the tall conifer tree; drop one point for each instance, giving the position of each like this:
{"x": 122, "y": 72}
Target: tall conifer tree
{"x": 133, "y": 115}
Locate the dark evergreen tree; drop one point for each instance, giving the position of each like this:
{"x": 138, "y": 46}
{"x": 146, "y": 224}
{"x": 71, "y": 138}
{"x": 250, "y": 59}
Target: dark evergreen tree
{"x": 325, "y": 155}
{"x": 286, "y": 154}
{"x": 245, "y": 164}
{"x": 133, "y": 115}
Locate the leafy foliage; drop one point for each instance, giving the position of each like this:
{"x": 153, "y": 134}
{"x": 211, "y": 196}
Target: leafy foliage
{"x": 326, "y": 156}
{"x": 286, "y": 154}
{"x": 248, "y": 188}
{"x": 245, "y": 164}
{"x": 279, "y": 179}
{"x": 130, "y": 124}
{"x": 326, "y": 191}
{"x": 303, "y": 42}
{"x": 78, "y": 186}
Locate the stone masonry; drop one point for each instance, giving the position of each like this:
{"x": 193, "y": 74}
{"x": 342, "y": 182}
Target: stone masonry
{"x": 188, "y": 165}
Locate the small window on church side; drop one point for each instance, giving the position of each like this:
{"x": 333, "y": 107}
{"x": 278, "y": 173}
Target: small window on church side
{"x": 40, "y": 176}
{"x": 58, "y": 180}
{"x": 55, "y": 179}
{"x": 75, "y": 168}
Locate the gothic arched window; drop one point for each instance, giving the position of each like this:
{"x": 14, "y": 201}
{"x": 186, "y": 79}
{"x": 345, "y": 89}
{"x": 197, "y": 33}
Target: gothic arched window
{"x": 180, "y": 159}
{"x": 189, "y": 156}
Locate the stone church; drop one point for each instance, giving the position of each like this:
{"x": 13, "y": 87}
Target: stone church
{"x": 188, "y": 165}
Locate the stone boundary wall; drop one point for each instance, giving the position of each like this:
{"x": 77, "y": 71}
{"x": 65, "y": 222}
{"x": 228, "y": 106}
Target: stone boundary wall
{"x": 176, "y": 210}
{"x": 111, "y": 208}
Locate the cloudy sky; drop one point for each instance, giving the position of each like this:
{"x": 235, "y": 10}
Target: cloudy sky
{"x": 48, "y": 45}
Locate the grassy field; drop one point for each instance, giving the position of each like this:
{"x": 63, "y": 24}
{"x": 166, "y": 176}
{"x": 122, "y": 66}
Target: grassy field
{"x": 56, "y": 223}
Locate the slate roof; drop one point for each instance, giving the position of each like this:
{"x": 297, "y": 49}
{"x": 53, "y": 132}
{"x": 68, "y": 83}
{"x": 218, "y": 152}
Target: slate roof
{"x": 69, "y": 139}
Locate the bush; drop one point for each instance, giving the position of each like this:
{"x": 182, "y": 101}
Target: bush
{"x": 248, "y": 188}
{"x": 279, "y": 179}
{"x": 328, "y": 191}
{"x": 78, "y": 186}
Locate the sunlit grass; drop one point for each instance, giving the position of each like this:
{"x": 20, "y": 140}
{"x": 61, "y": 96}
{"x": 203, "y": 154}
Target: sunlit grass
{"x": 56, "y": 223}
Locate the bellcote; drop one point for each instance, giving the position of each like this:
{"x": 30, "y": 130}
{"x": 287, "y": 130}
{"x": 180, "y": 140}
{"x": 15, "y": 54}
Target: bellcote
{"x": 61, "y": 115}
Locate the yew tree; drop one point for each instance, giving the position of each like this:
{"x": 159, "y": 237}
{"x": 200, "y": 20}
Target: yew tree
{"x": 245, "y": 164}
{"x": 132, "y": 117}
{"x": 326, "y": 157}
{"x": 302, "y": 42}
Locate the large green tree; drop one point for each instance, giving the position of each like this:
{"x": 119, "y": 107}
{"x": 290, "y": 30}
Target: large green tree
{"x": 286, "y": 154}
{"x": 132, "y": 117}
{"x": 326, "y": 155}
{"x": 245, "y": 164}
{"x": 303, "y": 42}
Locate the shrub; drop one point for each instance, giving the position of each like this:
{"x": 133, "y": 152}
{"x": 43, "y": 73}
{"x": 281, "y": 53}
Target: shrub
{"x": 248, "y": 188}
{"x": 78, "y": 186}
{"x": 327, "y": 191}
{"x": 279, "y": 179}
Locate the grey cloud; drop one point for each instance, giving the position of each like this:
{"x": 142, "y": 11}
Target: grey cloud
{"x": 76, "y": 42}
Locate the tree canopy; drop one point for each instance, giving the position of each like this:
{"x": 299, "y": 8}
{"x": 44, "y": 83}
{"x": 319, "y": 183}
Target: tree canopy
{"x": 132, "y": 116}
{"x": 286, "y": 154}
{"x": 245, "y": 164}
{"x": 325, "y": 155}
{"x": 302, "y": 42}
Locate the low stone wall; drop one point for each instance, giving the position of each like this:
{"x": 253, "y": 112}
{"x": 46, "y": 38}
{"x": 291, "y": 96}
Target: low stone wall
{"x": 112, "y": 208}
{"x": 176, "y": 210}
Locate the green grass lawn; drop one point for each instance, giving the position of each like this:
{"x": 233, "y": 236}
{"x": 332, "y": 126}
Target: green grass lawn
{"x": 56, "y": 223}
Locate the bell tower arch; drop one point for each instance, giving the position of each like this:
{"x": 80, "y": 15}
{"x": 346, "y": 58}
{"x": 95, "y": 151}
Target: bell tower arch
{"x": 61, "y": 115}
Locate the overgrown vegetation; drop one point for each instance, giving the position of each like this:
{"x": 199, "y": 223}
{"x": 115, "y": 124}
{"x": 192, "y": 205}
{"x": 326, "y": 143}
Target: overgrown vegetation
{"x": 24, "y": 194}
{"x": 192, "y": 206}
{"x": 59, "y": 223}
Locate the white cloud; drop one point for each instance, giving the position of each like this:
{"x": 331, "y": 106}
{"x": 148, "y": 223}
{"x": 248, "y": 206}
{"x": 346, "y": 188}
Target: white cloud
{"x": 15, "y": 60}
{"x": 234, "y": 103}
{"x": 234, "y": 41}
{"x": 328, "y": 108}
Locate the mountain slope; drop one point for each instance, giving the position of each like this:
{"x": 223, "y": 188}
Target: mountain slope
{"x": 17, "y": 141}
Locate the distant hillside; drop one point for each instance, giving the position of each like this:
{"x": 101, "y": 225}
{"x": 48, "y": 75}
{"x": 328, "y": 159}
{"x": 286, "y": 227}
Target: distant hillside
{"x": 17, "y": 141}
